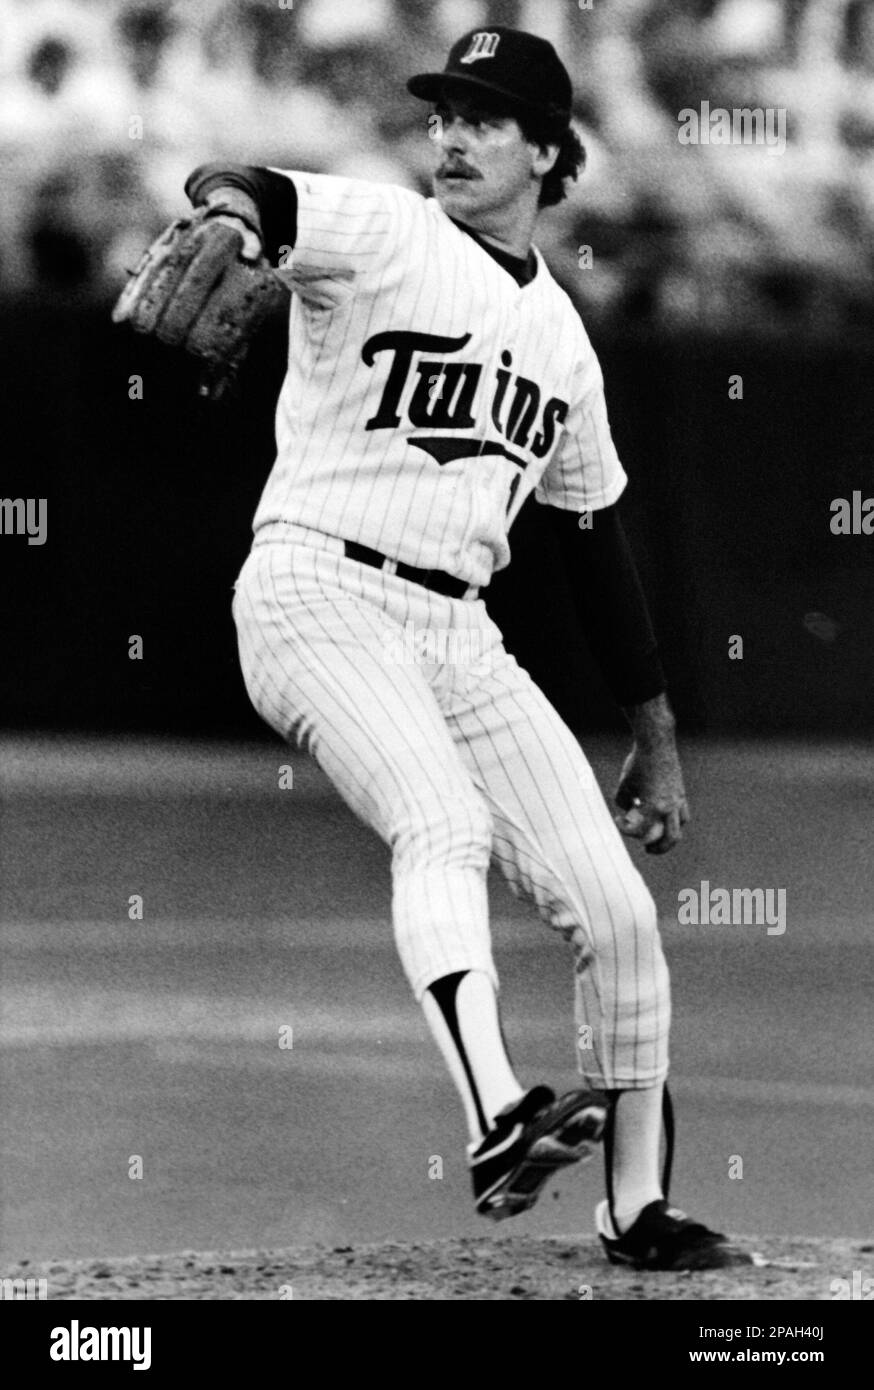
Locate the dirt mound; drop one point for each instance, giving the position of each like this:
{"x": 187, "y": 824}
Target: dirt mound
{"x": 527, "y": 1267}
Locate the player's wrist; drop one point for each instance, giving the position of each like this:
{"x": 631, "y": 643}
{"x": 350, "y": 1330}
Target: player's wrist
{"x": 652, "y": 722}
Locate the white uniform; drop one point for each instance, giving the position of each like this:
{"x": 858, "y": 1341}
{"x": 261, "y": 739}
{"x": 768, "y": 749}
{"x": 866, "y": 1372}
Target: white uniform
{"x": 427, "y": 395}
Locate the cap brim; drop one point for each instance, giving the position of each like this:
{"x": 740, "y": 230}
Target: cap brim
{"x": 426, "y": 85}
{"x": 429, "y": 87}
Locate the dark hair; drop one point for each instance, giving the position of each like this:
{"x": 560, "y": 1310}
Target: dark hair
{"x": 571, "y": 158}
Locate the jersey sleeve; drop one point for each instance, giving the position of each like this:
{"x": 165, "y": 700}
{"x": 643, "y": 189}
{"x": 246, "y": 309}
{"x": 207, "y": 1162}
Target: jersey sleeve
{"x": 345, "y": 228}
{"x": 585, "y": 473}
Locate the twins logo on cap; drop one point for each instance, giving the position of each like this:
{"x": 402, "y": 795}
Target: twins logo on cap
{"x": 523, "y": 70}
{"x": 482, "y": 45}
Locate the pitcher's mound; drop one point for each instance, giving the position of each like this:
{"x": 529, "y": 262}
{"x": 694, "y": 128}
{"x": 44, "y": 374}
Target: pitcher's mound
{"x": 513, "y": 1267}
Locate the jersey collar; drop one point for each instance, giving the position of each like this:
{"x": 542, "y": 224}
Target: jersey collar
{"x": 522, "y": 268}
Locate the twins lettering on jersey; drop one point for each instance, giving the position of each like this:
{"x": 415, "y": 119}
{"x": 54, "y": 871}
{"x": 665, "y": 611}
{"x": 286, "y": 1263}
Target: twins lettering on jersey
{"x": 444, "y": 397}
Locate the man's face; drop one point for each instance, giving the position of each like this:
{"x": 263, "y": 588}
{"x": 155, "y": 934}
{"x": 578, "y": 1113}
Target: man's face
{"x": 485, "y": 164}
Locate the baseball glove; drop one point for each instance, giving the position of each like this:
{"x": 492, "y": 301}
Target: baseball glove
{"x": 192, "y": 290}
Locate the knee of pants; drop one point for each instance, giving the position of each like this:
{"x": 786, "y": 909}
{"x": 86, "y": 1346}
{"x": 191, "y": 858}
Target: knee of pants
{"x": 635, "y": 926}
{"x": 623, "y": 979}
{"x": 453, "y": 831}
{"x": 654, "y": 967}
{"x": 639, "y": 946}
{"x": 629, "y": 932}
{"x": 639, "y": 916}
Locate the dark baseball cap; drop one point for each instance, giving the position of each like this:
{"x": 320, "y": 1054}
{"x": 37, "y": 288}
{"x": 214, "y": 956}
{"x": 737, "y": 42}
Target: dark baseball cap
{"x": 521, "y": 68}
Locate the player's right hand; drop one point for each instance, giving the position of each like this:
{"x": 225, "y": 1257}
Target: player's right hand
{"x": 652, "y": 798}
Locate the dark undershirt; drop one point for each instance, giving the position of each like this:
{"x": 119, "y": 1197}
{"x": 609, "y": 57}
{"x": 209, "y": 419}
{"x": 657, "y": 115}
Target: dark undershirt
{"x": 605, "y": 583}
{"x": 610, "y": 602}
{"x": 522, "y": 268}
{"x": 274, "y": 195}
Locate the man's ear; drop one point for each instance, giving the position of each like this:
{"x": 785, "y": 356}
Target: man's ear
{"x": 544, "y": 159}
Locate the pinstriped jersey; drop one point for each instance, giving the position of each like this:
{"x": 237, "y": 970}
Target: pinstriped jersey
{"x": 427, "y": 392}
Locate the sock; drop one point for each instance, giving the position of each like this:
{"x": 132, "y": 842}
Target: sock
{"x": 637, "y": 1131}
{"x": 462, "y": 1013}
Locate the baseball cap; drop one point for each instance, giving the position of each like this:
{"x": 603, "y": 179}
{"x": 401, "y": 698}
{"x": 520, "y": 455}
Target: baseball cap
{"x": 521, "y": 68}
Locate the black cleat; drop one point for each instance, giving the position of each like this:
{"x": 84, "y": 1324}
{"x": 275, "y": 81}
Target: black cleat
{"x": 530, "y": 1140}
{"x": 663, "y": 1237}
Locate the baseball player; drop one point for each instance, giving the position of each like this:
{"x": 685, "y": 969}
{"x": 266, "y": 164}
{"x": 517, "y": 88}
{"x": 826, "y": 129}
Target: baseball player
{"x": 437, "y": 376}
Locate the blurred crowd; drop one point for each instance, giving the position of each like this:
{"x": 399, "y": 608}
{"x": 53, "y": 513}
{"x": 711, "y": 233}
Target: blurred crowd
{"x": 106, "y": 106}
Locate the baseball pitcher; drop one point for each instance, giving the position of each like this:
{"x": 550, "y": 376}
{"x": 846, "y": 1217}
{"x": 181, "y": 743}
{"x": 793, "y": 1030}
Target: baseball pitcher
{"x": 437, "y": 376}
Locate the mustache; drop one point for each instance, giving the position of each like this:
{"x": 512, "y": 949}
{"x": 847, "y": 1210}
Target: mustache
{"x": 453, "y": 167}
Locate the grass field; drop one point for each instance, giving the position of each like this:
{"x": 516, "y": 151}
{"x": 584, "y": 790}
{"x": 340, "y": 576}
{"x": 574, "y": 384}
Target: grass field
{"x": 265, "y": 908}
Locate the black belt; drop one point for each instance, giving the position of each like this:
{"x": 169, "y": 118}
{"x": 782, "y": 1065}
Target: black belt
{"x": 430, "y": 579}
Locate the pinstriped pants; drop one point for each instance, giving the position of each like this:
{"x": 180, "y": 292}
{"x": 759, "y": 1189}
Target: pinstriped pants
{"x": 436, "y": 737}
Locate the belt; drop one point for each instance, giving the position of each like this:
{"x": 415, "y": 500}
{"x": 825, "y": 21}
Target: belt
{"x": 437, "y": 580}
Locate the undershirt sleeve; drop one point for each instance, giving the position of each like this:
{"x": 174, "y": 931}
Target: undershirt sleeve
{"x": 611, "y": 603}
{"x": 274, "y": 194}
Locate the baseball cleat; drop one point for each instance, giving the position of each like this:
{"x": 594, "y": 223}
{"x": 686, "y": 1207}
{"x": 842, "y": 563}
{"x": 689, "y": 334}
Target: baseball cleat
{"x": 663, "y": 1237}
{"x": 530, "y": 1140}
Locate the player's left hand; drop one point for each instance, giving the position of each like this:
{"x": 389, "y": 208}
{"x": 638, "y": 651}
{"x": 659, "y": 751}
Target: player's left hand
{"x": 651, "y": 796}
{"x": 251, "y": 250}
